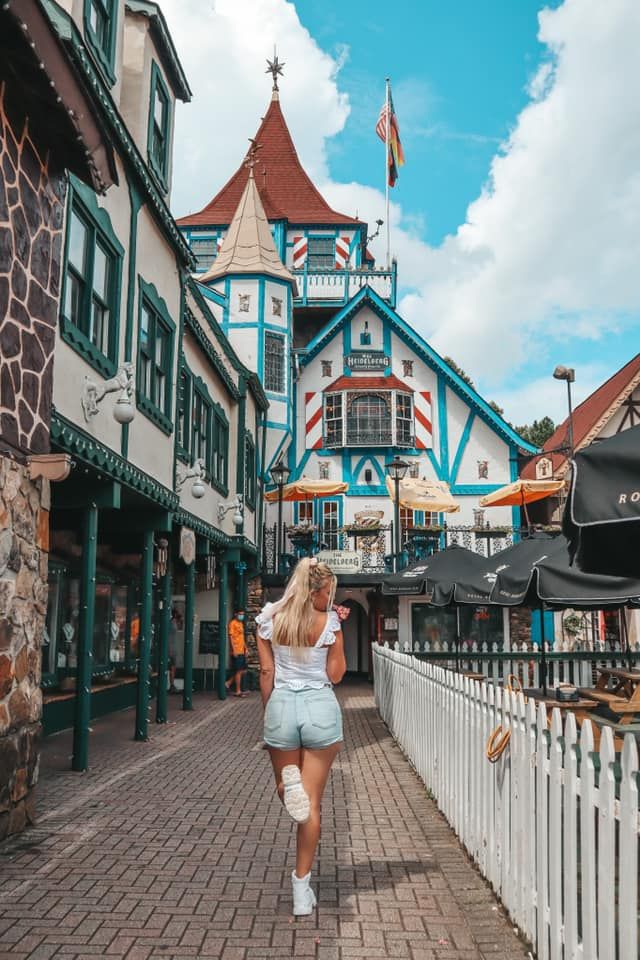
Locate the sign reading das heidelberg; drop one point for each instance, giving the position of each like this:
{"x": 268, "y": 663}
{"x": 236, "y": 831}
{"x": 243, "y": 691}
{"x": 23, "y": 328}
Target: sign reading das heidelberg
{"x": 341, "y": 561}
{"x": 367, "y": 360}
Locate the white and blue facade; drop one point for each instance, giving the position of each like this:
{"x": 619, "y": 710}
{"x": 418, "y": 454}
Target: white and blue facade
{"x": 358, "y": 386}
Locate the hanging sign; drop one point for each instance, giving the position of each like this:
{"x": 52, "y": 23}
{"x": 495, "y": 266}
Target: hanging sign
{"x": 341, "y": 561}
{"x": 367, "y": 360}
{"x": 187, "y": 545}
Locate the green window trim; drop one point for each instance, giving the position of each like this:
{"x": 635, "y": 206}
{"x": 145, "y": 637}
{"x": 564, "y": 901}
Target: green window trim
{"x": 201, "y": 426}
{"x": 250, "y": 479}
{"x": 159, "y": 134}
{"x": 102, "y": 47}
{"x": 161, "y": 414}
{"x": 183, "y": 417}
{"x": 82, "y": 204}
{"x": 220, "y": 450}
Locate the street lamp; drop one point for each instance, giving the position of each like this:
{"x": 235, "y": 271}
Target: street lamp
{"x": 397, "y": 470}
{"x": 568, "y": 374}
{"x": 279, "y": 475}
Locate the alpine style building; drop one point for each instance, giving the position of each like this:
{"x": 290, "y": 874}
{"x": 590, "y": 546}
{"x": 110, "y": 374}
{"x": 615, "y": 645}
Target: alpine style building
{"x": 350, "y": 384}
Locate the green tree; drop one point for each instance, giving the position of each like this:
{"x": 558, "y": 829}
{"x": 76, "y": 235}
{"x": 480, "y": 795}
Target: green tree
{"x": 456, "y": 369}
{"x": 537, "y": 432}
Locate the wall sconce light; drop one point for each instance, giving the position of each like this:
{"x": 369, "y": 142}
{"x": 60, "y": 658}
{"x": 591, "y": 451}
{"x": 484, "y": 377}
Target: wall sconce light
{"x": 93, "y": 394}
{"x": 197, "y": 474}
{"x": 237, "y": 506}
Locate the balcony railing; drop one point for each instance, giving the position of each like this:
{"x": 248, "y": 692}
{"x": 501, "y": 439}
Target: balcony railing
{"x": 366, "y": 438}
{"x": 320, "y": 287}
{"x": 375, "y": 545}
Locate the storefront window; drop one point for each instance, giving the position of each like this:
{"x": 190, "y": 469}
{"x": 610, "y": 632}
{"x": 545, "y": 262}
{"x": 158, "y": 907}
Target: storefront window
{"x": 102, "y": 624}
{"x": 52, "y": 623}
{"x": 68, "y": 642}
{"x": 118, "y": 629}
{"x": 437, "y": 626}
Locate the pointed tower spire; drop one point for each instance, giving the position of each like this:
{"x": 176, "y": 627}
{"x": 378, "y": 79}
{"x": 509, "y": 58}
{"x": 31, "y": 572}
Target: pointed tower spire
{"x": 248, "y": 246}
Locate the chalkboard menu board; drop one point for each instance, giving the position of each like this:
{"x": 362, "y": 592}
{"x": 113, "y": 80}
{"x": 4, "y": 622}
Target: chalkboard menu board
{"x": 209, "y": 636}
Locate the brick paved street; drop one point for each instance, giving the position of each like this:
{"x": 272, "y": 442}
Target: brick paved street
{"x": 178, "y": 848}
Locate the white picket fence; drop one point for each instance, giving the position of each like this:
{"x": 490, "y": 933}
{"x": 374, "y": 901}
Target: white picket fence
{"x": 552, "y": 825}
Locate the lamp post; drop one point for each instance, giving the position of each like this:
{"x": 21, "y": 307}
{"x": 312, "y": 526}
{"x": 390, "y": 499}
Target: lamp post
{"x": 568, "y": 374}
{"x": 397, "y": 470}
{"x": 279, "y": 475}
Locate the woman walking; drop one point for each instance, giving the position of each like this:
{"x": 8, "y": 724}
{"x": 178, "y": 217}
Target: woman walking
{"x": 301, "y": 653}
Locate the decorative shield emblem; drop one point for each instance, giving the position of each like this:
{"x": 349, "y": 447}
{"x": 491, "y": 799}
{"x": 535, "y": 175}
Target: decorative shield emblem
{"x": 187, "y": 545}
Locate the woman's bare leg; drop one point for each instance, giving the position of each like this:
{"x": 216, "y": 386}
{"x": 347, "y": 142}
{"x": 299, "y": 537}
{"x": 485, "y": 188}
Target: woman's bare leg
{"x": 281, "y": 759}
{"x": 315, "y": 767}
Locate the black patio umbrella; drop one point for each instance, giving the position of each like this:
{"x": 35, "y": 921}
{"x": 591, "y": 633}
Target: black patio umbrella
{"x": 552, "y": 582}
{"x": 602, "y": 514}
{"x": 476, "y": 586}
{"x": 439, "y": 574}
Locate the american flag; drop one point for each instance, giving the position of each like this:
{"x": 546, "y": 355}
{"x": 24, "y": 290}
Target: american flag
{"x": 395, "y": 156}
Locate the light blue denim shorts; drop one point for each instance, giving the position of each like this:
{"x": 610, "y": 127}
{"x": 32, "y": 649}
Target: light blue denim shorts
{"x": 302, "y": 718}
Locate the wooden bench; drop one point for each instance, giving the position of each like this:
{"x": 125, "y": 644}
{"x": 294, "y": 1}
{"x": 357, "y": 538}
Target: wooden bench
{"x": 619, "y": 705}
{"x": 618, "y": 730}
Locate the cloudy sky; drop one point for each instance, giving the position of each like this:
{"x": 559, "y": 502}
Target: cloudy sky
{"x": 516, "y": 220}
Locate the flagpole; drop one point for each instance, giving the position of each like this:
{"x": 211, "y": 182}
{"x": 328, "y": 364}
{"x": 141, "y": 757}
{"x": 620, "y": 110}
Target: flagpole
{"x": 386, "y": 171}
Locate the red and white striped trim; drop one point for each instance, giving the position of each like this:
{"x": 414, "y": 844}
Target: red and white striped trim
{"x": 313, "y": 420}
{"x": 422, "y": 412}
{"x": 299, "y": 252}
{"x": 342, "y": 252}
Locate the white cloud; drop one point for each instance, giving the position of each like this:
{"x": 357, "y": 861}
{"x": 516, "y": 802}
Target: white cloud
{"x": 549, "y": 248}
{"x": 548, "y": 252}
{"x": 223, "y": 47}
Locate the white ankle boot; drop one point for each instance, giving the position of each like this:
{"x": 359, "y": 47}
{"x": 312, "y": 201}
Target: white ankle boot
{"x": 304, "y": 899}
{"x": 296, "y": 800}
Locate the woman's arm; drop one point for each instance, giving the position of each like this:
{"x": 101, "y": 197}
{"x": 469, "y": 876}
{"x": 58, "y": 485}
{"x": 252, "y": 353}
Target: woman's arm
{"x": 336, "y": 661}
{"x": 267, "y": 668}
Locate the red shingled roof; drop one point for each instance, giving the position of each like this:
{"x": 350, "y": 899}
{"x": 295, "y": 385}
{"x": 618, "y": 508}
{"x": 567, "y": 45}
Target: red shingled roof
{"x": 588, "y": 415}
{"x": 368, "y": 383}
{"x": 286, "y": 191}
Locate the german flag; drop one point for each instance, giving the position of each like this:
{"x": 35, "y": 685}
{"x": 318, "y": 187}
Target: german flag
{"x": 395, "y": 153}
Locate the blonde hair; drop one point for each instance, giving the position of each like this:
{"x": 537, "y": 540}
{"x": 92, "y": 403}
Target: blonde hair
{"x": 294, "y": 622}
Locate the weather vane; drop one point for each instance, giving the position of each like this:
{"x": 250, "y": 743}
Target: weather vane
{"x": 252, "y": 154}
{"x": 275, "y": 69}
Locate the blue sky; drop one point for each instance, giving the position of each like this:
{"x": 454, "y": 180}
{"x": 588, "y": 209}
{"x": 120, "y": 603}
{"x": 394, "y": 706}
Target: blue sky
{"x": 515, "y": 218}
{"x": 459, "y": 73}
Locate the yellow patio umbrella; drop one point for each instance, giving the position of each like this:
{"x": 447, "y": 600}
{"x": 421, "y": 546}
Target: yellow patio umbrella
{"x": 520, "y": 493}
{"x": 306, "y": 489}
{"x": 429, "y": 495}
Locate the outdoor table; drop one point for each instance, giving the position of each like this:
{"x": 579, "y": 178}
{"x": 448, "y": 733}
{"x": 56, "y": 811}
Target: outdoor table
{"x": 620, "y": 682}
{"x": 580, "y": 708}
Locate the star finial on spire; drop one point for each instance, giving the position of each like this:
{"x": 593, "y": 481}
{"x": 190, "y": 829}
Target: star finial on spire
{"x": 275, "y": 69}
{"x": 252, "y": 155}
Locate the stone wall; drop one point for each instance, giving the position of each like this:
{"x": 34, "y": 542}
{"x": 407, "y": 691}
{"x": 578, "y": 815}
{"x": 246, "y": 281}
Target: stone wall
{"x": 31, "y": 219}
{"x": 24, "y": 532}
{"x": 31, "y": 240}
{"x": 255, "y": 603}
{"x": 520, "y": 625}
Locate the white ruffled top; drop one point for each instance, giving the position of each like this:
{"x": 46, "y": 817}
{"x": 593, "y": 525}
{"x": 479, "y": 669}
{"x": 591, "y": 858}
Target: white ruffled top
{"x": 301, "y": 668}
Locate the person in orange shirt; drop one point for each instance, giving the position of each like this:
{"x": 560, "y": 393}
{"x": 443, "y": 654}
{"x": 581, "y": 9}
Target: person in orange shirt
{"x": 238, "y": 652}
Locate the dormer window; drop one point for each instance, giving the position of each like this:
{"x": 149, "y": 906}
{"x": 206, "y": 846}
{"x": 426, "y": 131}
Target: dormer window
{"x": 364, "y": 418}
{"x": 159, "y": 126}
{"x": 100, "y": 32}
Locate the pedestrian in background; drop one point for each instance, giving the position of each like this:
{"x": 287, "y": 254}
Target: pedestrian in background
{"x": 238, "y": 653}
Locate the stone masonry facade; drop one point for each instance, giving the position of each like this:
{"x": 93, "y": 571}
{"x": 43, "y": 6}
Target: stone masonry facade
{"x": 31, "y": 239}
{"x": 24, "y": 532}
{"x": 31, "y": 220}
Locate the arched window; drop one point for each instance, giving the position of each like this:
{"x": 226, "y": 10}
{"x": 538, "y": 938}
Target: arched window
{"x": 369, "y": 419}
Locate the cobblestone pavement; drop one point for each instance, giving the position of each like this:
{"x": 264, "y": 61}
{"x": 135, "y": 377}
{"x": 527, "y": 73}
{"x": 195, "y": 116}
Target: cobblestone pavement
{"x": 179, "y": 848}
